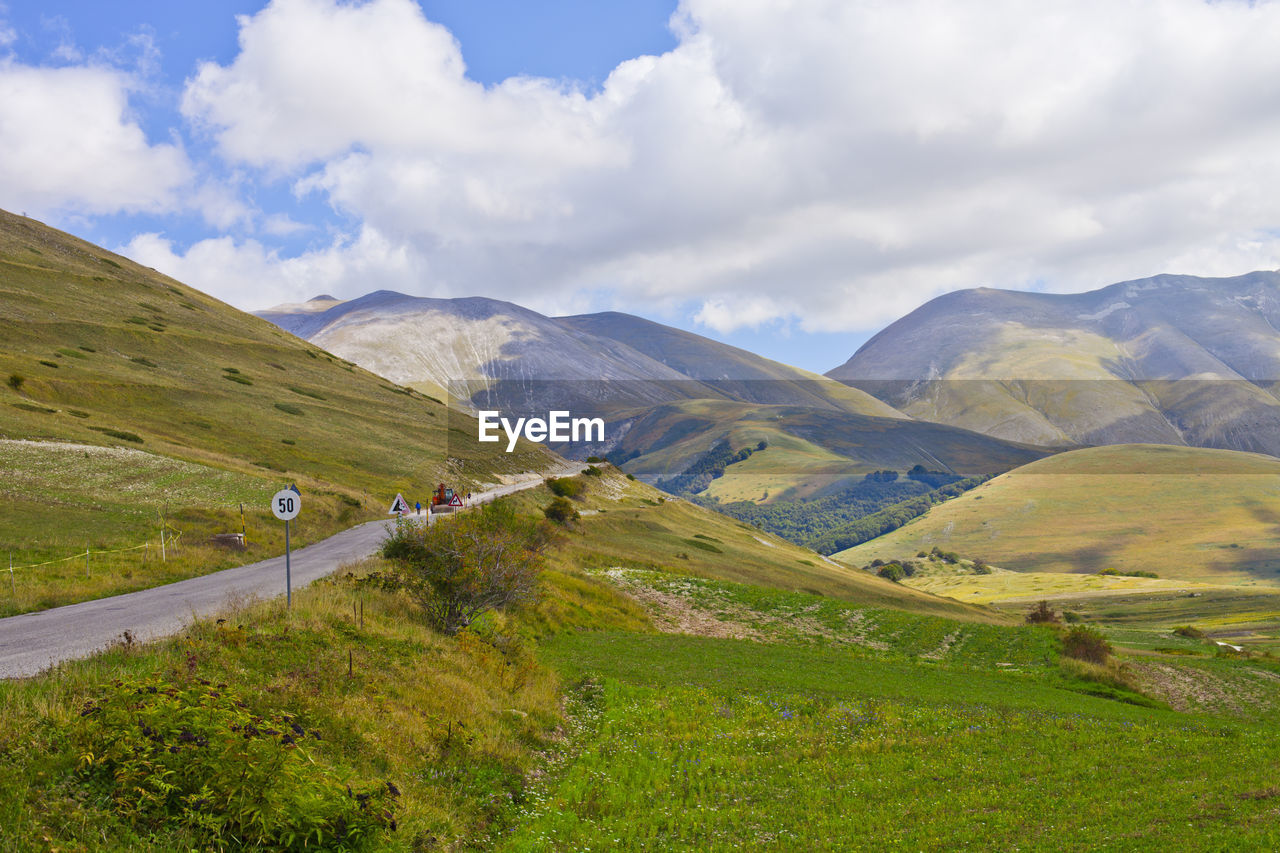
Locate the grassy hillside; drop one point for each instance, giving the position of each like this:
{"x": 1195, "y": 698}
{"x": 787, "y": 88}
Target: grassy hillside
{"x": 203, "y": 406}
{"x": 810, "y": 451}
{"x": 1184, "y": 513}
{"x": 629, "y": 525}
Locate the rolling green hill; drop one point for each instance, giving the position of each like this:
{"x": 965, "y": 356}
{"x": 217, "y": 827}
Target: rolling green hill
{"x": 1188, "y": 513}
{"x": 207, "y": 406}
{"x": 629, "y": 525}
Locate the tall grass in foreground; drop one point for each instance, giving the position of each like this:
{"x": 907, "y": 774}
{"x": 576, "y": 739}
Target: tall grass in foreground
{"x": 452, "y": 723}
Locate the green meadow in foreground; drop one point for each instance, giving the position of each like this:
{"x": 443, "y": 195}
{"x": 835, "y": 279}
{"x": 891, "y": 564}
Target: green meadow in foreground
{"x": 781, "y": 719}
{"x": 711, "y": 743}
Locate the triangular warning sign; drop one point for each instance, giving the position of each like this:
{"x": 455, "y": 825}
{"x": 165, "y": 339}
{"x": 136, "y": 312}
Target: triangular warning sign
{"x": 399, "y": 506}
{"x": 457, "y": 500}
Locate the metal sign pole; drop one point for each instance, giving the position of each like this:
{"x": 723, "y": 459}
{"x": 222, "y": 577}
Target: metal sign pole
{"x": 286, "y": 504}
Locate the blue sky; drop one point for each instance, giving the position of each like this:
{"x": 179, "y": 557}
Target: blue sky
{"x": 785, "y": 179}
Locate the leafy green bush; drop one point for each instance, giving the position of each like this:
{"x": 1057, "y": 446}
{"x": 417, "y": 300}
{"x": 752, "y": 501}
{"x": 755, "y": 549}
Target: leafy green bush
{"x": 485, "y": 559}
{"x": 123, "y": 435}
{"x": 32, "y": 407}
{"x": 15, "y": 381}
{"x": 565, "y": 487}
{"x": 980, "y": 567}
{"x": 1189, "y": 631}
{"x": 591, "y": 471}
{"x": 705, "y": 546}
{"x": 288, "y": 408}
{"x": 892, "y": 571}
{"x": 1086, "y": 644}
{"x": 238, "y": 378}
{"x": 194, "y": 755}
{"x": 315, "y": 395}
{"x": 560, "y": 510}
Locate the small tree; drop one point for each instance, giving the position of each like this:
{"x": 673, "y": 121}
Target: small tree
{"x": 1042, "y": 614}
{"x": 457, "y": 569}
{"x": 15, "y": 381}
{"x": 565, "y": 487}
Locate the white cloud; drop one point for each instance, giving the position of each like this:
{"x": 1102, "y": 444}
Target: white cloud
{"x": 830, "y": 160}
{"x": 280, "y": 225}
{"x": 69, "y": 141}
{"x": 249, "y": 275}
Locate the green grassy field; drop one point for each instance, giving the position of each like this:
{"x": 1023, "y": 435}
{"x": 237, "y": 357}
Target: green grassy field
{"x": 1183, "y": 513}
{"x": 722, "y": 744}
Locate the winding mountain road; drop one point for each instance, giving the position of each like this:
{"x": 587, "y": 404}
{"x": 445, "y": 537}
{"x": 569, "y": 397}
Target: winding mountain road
{"x": 33, "y": 642}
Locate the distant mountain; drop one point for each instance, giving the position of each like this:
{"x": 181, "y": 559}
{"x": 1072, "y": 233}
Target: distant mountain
{"x": 612, "y": 360}
{"x": 1168, "y": 360}
{"x": 736, "y": 373}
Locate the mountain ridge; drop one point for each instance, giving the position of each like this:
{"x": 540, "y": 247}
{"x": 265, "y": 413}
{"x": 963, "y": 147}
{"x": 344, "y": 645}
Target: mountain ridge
{"x": 1170, "y": 359}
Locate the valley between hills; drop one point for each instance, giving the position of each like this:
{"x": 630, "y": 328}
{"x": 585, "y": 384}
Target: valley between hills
{"x": 1008, "y": 579}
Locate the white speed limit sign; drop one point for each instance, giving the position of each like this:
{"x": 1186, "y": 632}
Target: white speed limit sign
{"x": 286, "y": 504}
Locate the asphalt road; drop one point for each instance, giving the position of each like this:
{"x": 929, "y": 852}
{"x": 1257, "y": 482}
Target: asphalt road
{"x": 33, "y": 642}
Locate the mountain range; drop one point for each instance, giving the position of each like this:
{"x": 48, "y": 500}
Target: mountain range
{"x": 1170, "y": 359}
{"x": 670, "y": 397}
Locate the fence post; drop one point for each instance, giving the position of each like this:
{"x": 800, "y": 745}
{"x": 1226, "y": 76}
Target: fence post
{"x": 86, "y": 562}
{"x": 13, "y": 583}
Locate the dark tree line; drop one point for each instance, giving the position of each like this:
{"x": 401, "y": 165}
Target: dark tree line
{"x": 828, "y": 524}
{"x": 708, "y": 467}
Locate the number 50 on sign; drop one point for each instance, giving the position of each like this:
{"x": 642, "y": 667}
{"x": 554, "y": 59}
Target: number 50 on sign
{"x": 286, "y": 504}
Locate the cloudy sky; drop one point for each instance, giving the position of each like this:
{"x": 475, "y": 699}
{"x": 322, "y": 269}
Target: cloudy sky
{"x": 787, "y": 176}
